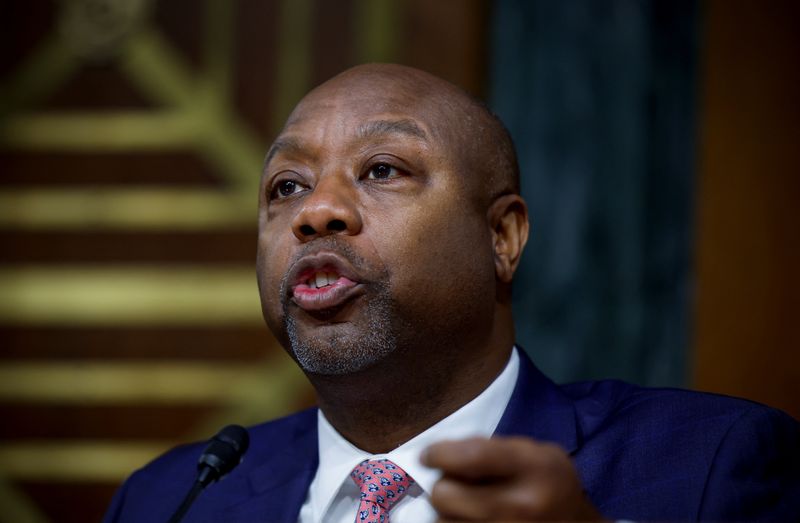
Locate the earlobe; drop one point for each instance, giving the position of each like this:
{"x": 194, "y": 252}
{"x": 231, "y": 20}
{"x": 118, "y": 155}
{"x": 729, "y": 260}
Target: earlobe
{"x": 508, "y": 218}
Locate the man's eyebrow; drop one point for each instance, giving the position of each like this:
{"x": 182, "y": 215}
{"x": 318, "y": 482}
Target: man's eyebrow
{"x": 365, "y": 130}
{"x": 281, "y": 144}
{"x": 377, "y": 127}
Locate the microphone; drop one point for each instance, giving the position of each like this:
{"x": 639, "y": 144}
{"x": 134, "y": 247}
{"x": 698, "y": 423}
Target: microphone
{"x": 223, "y": 453}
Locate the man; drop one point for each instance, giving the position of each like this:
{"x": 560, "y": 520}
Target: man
{"x": 390, "y": 226}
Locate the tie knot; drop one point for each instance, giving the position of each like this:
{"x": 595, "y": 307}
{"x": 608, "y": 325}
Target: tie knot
{"x": 381, "y": 482}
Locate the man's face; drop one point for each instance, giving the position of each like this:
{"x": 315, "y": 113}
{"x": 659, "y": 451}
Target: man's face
{"x": 371, "y": 244}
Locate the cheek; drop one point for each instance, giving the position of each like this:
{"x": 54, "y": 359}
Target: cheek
{"x": 271, "y": 262}
{"x": 441, "y": 257}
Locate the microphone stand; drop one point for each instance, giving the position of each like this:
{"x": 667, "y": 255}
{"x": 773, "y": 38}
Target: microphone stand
{"x": 223, "y": 453}
{"x": 204, "y": 478}
{"x": 196, "y": 489}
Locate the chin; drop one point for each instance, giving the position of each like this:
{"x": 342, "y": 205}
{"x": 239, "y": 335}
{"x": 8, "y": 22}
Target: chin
{"x": 339, "y": 349}
{"x": 356, "y": 337}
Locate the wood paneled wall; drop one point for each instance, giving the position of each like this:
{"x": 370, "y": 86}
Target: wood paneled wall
{"x": 748, "y": 239}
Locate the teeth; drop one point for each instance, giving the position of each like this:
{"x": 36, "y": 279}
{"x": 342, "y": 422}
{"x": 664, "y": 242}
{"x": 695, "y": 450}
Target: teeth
{"x": 323, "y": 279}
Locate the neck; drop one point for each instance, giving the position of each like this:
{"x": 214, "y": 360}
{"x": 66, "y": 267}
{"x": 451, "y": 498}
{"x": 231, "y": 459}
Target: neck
{"x": 414, "y": 397}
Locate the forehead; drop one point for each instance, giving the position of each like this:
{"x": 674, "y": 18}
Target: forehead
{"x": 337, "y": 116}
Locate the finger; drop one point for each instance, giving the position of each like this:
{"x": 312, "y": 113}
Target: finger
{"x": 486, "y": 459}
{"x": 510, "y": 500}
{"x": 457, "y": 500}
{"x": 447, "y": 520}
{"x": 497, "y": 502}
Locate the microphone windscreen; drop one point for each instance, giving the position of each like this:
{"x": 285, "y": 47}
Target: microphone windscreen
{"x": 225, "y": 450}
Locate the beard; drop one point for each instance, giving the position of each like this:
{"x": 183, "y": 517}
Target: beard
{"x": 338, "y": 353}
{"x": 345, "y": 348}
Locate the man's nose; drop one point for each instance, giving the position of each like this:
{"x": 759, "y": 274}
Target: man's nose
{"x": 330, "y": 209}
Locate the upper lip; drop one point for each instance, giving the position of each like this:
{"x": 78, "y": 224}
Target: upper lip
{"x": 324, "y": 260}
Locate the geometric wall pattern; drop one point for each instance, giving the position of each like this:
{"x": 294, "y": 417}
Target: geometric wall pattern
{"x": 132, "y": 134}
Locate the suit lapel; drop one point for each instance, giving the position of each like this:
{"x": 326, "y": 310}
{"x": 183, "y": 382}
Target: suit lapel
{"x": 539, "y": 409}
{"x": 279, "y": 485}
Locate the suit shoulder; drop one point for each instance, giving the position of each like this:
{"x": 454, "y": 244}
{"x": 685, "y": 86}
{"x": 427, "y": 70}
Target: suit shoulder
{"x": 153, "y": 491}
{"x": 673, "y": 454}
{"x": 601, "y": 402}
{"x": 264, "y": 438}
{"x": 757, "y": 458}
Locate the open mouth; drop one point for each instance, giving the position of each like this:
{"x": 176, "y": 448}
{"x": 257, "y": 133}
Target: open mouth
{"x": 323, "y": 288}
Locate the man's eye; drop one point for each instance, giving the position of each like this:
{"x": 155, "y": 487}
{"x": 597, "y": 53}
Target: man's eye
{"x": 285, "y": 188}
{"x": 382, "y": 171}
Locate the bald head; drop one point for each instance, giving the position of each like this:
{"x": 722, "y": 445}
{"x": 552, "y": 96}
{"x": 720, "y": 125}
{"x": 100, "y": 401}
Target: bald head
{"x": 478, "y": 138}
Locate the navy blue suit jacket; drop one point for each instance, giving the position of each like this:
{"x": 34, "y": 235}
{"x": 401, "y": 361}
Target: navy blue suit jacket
{"x": 642, "y": 454}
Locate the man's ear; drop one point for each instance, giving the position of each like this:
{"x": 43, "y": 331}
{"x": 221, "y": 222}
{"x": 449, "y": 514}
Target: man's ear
{"x": 508, "y": 218}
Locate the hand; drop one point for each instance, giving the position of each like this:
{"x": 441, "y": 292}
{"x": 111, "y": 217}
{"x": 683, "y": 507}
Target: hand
{"x": 506, "y": 479}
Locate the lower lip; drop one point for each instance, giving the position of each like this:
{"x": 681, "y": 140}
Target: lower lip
{"x": 313, "y": 299}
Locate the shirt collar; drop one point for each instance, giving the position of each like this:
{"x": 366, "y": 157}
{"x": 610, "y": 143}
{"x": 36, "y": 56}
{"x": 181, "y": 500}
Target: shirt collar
{"x": 479, "y": 417}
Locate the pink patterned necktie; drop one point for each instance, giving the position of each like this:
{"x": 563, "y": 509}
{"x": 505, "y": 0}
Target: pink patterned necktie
{"x": 382, "y": 485}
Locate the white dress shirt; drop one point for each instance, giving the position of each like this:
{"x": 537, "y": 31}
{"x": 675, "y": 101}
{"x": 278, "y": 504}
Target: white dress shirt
{"x": 333, "y": 497}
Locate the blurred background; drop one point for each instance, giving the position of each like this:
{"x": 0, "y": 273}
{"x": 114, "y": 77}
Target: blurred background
{"x": 659, "y": 148}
